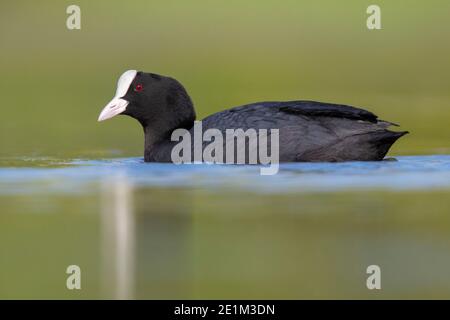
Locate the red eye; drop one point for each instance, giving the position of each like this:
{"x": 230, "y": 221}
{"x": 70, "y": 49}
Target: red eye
{"x": 138, "y": 88}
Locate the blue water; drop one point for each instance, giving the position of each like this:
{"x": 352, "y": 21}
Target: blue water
{"x": 156, "y": 231}
{"x": 80, "y": 176}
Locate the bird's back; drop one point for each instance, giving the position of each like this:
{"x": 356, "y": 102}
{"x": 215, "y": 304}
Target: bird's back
{"x": 311, "y": 131}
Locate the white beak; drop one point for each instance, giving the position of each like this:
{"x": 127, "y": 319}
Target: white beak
{"x": 118, "y": 105}
{"x": 115, "y": 107}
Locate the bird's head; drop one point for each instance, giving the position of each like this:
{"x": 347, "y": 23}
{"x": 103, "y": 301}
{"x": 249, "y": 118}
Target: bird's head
{"x": 154, "y": 100}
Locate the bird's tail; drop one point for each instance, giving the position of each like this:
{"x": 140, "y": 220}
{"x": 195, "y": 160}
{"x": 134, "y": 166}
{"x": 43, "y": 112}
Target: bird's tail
{"x": 382, "y": 141}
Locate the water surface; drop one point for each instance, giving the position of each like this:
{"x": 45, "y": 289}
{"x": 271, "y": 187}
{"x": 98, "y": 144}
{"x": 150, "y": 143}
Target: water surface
{"x": 140, "y": 230}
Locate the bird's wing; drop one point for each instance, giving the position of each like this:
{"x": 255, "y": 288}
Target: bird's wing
{"x": 317, "y": 109}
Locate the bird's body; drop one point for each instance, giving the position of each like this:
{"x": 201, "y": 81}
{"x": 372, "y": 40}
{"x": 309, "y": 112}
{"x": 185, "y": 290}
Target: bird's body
{"x": 308, "y": 130}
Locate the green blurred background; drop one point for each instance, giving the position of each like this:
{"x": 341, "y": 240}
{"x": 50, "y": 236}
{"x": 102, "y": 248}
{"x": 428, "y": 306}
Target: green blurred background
{"x": 55, "y": 81}
{"x": 201, "y": 243}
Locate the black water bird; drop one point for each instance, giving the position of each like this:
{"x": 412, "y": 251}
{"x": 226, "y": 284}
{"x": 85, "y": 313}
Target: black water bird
{"x": 308, "y": 130}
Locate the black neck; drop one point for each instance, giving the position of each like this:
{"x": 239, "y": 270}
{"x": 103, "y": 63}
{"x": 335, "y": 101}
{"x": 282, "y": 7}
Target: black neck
{"x": 174, "y": 110}
{"x": 158, "y": 144}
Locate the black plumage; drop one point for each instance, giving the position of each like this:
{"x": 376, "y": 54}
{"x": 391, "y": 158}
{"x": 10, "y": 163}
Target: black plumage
{"x": 308, "y": 130}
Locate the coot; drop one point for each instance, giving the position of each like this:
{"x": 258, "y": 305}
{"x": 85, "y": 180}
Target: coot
{"x": 308, "y": 130}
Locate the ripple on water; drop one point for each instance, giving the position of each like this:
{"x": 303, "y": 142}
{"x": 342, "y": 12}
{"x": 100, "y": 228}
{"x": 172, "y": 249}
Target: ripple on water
{"x": 37, "y": 175}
